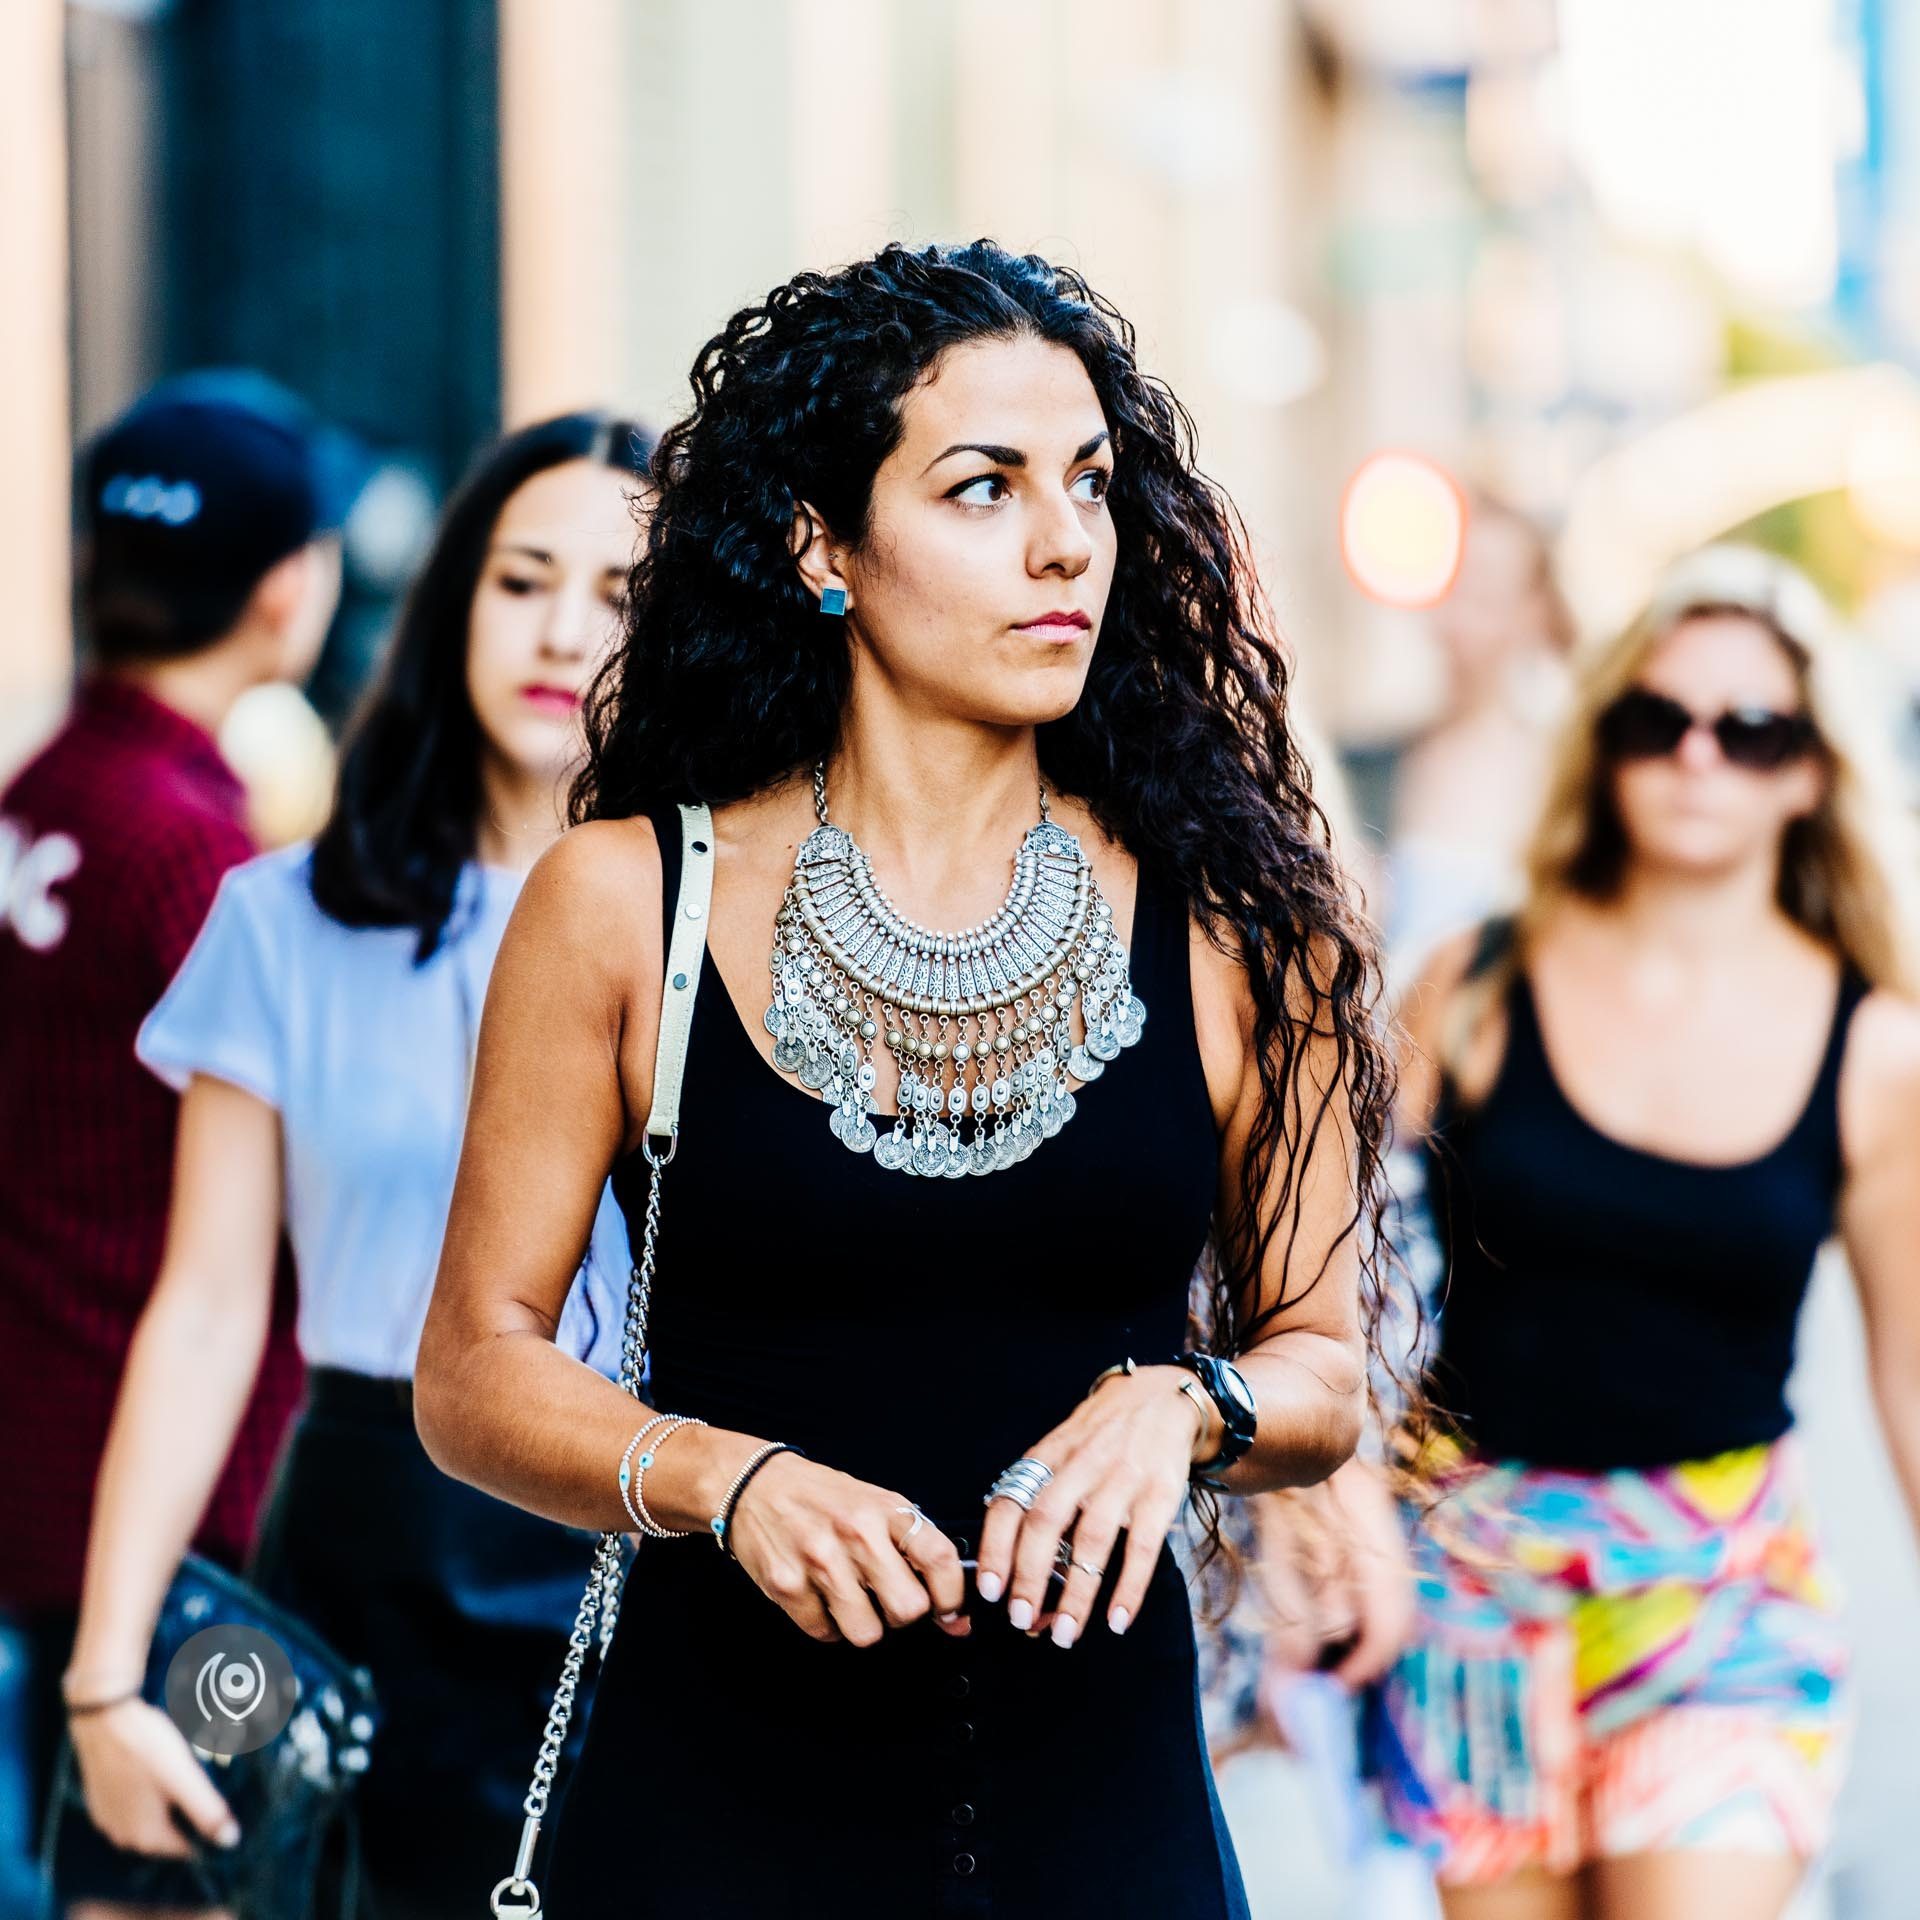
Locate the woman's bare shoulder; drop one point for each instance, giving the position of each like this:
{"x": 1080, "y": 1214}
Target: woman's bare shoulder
{"x": 585, "y": 948}
{"x": 1226, "y": 1010}
{"x": 1428, "y": 994}
{"x": 1880, "y": 1076}
{"x": 600, "y": 869}
{"x": 1424, "y": 1025}
{"x": 592, "y": 904}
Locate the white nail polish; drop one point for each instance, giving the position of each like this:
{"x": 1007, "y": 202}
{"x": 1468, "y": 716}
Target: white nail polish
{"x": 989, "y": 1585}
{"x": 1020, "y": 1614}
{"x": 1064, "y": 1630}
{"x": 1120, "y": 1620}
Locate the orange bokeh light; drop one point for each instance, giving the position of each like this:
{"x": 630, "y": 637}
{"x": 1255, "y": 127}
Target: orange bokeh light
{"x": 1403, "y": 522}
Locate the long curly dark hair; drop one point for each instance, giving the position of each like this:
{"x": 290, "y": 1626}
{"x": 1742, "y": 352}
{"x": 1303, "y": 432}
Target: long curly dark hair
{"x": 731, "y": 681}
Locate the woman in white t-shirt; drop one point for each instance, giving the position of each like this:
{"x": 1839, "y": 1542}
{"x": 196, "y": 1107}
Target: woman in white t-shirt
{"x": 322, "y": 1030}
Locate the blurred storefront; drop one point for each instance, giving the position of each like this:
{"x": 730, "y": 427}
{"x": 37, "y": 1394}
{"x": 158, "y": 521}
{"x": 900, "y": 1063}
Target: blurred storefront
{"x": 1524, "y": 239}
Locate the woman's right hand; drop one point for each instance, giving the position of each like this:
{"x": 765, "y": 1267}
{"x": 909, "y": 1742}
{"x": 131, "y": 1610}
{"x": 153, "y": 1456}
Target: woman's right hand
{"x": 137, "y": 1767}
{"x": 832, "y": 1553}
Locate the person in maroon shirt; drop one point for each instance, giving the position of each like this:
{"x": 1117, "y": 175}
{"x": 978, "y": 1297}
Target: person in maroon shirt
{"x": 208, "y": 567}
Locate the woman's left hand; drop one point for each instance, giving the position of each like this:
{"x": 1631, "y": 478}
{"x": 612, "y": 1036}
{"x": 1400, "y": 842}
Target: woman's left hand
{"x": 1380, "y": 1575}
{"x": 1120, "y": 1461}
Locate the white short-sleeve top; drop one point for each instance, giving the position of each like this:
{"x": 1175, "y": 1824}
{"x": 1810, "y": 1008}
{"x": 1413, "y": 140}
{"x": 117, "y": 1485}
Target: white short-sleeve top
{"x": 365, "y": 1055}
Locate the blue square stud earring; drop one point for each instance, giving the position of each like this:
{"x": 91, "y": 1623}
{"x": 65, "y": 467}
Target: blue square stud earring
{"x": 833, "y": 600}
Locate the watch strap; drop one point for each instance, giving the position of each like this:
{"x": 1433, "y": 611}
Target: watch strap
{"x": 1236, "y": 1431}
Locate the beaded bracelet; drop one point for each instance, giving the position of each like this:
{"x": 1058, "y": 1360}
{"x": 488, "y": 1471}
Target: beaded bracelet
{"x": 626, "y": 1468}
{"x": 633, "y": 1478}
{"x": 722, "y": 1522}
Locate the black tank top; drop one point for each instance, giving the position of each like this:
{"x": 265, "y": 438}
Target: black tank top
{"x": 1611, "y": 1307}
{"x": 921, "y": 1333}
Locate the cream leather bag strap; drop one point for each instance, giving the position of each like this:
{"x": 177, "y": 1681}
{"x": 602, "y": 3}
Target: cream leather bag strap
{"x": 686, "y": 952}
{"x": 686, "y": 949}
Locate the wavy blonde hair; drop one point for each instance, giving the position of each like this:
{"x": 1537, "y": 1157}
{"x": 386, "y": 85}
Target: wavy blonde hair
{"x": 1849, "y": 871}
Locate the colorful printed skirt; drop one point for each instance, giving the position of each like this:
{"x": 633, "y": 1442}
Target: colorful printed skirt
{"x": 1615, "y": 1663}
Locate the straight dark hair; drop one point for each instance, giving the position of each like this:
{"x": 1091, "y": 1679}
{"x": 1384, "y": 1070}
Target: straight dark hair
{"x": 405, "y": 818}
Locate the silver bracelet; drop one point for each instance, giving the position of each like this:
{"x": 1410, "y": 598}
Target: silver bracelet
{"x": 626, "y": 1468}
{"x": 633, "y": 1475}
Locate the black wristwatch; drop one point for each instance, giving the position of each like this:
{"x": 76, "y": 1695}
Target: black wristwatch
{"x": 1227, "y": 1388}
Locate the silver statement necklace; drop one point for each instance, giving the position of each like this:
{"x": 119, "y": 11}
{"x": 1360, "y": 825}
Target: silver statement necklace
{"x": 981, "y": 1022}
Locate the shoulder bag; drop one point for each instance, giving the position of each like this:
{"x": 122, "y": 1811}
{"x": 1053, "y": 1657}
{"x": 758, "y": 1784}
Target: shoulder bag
{"x": 517, "y": 1895}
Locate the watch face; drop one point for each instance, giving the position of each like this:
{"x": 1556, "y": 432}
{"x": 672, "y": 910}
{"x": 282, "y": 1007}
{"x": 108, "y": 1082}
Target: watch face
{"x": 1233, "y": 1384}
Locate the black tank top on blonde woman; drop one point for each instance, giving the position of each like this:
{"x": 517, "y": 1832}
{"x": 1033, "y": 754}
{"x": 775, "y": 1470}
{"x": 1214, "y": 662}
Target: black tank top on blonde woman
{"x": 1613, "y": 1307}
{"x": 920, "y": 1334}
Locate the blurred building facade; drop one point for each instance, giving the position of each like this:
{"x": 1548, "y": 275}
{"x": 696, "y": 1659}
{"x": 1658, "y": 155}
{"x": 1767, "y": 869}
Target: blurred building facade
{"x": 1516, "y": 236}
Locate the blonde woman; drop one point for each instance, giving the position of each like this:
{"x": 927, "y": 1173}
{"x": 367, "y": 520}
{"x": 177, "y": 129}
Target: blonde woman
{"x": 1648, "y": 1101}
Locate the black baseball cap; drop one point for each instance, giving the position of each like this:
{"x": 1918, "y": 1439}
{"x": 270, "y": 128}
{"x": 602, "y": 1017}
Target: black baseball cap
{"x": 204, "y": 484}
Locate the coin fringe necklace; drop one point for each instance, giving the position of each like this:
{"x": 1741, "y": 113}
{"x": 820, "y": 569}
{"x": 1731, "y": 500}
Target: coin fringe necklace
{"x": 980, "y": 1022}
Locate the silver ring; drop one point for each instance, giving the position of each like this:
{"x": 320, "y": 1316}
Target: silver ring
{"x": 1022, "y": 1483}
{"x": 1022, "y": 1495}
{"x": 1021, "y": 1474}
{"x": 1014, "y": 1477}
{"x": 1099, "y": 1573}
{"x": 919, "y": 1521}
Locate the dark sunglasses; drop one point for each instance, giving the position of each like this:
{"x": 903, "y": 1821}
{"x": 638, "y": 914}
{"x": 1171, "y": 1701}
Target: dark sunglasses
{"x": 1644, "y": 725}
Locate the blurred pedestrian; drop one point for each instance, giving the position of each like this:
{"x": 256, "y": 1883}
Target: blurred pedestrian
{"x": 323, "y": 1031}
{"x": 1467, "y": 788}
{"x": 932, "y": 592}
{"x": 206, "y": 568}
{"x": 1649, "y": 1100}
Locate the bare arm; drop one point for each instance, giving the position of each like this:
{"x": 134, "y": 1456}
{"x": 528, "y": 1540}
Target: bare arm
{"x": 188, "y": 1380}
{"x": 1308, "y": 1367}
{"x": 1359, "y": 1521}
{"x": 1122, "y": 1457}
{"x": 496, "y": 1402}
{"x": 1880, "y": 1218}
{"x": 561, "y": 1088}
{"x": 189, "y": 1375}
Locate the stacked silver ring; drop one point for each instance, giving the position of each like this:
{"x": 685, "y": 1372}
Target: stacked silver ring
{"x": 1022, "y": 1483}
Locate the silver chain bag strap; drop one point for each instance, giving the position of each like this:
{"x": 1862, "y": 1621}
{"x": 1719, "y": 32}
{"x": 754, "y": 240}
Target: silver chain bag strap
{"x": 517, "y": 1895}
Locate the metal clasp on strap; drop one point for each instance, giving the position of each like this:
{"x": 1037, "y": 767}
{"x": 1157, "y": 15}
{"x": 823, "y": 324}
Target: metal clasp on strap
{"x": 657, "y": 1160}
{"x": 525, "y": 1896}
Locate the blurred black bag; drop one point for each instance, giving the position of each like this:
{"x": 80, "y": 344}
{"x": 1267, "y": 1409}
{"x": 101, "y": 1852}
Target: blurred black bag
{"x": 289, "y": 1796}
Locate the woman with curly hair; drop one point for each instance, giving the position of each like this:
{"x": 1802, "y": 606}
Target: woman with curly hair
{"x": 932, "y": 596}
{"x": 1649, "y": 1099}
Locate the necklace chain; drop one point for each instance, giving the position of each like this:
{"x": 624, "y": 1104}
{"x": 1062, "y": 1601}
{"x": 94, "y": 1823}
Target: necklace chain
{"x": 820, "y": 795}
